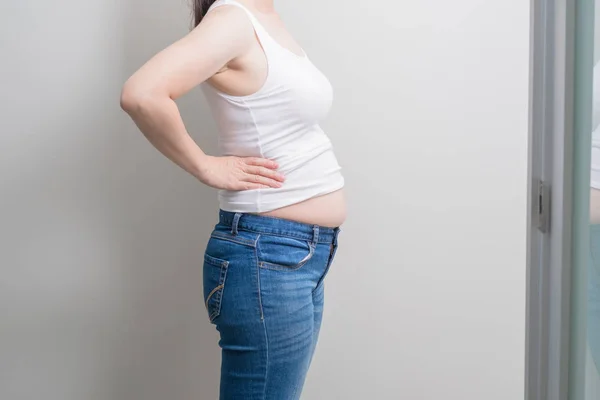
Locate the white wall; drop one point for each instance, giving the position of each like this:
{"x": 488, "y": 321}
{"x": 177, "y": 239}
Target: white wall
{"x": 102, "y": 240}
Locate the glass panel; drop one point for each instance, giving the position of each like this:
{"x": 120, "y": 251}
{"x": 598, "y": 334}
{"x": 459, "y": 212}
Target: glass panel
{"x": 592, "y": 357}
{"x": 584, "y": 376}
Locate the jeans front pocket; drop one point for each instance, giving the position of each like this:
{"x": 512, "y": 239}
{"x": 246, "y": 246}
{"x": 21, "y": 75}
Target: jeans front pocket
{"x": 282, "y": 253}
{"x": 215, "y": 272}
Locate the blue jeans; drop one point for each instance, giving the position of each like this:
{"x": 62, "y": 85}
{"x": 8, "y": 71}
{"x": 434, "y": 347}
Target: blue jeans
{"x": 263, "y": 290}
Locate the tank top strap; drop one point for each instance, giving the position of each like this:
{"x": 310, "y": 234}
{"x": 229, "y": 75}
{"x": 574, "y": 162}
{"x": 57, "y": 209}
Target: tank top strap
{"x": 263, "y": 36}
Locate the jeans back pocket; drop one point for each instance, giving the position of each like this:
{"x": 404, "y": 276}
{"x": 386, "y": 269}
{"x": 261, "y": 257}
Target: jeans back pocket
{"x": 215, "y": 272}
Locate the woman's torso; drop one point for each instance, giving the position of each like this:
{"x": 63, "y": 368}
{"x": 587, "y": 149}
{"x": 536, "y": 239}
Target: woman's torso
{"x": 269, "y": 104}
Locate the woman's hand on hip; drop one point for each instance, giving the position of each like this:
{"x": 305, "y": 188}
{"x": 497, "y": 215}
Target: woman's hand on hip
{"x": 240, "y": 173}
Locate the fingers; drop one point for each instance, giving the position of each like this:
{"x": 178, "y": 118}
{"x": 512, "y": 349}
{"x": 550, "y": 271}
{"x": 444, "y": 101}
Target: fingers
{"x": 261, "y": 162}
{"x": 261, "y": 180}
{"x": 261, "y": 173}
{"x": 252, "y": 186}
{"x": 265, "y": 172}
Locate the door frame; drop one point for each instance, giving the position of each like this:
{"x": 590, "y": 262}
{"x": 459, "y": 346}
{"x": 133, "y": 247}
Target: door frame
{"x": 552, "y": 39}
{"x": 560, "y": 109}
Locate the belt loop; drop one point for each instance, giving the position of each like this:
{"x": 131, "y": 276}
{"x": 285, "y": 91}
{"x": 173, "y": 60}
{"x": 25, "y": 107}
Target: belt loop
{"x": 235, "y": 223}
{"x": 336, "y": 232}
{"x": 315, "y": 239}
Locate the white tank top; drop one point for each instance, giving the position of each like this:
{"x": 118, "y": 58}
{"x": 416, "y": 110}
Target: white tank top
{"x": 279, "y": 122}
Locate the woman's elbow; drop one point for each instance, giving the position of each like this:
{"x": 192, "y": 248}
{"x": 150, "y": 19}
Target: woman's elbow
{"x": 138, "y": 98}
{"x": 131, "y": 98}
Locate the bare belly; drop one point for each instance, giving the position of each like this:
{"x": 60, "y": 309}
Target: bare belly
{"x": 328, "y": 210}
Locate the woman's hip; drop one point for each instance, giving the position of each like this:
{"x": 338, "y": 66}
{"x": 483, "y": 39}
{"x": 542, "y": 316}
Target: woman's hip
{"x": 252, "y": 263}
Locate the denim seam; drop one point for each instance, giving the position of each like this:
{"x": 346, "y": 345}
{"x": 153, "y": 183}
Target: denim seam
{"x": 217, "y": 262}
{"x": 238, "y": 240}
{"x": 217, "y": 292}
{"x": 262, "y": 316}
{"x": 210, "y": 295}
{"x": 264, "y": 322}
{"x": 286, "y": 235}
{"x": 332, "y": 254}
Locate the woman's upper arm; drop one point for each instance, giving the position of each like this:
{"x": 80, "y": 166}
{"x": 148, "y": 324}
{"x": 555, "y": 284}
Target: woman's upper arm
{"x": 224, "y": 34}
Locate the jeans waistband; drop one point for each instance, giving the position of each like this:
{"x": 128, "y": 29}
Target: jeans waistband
{"x": 278, "y": 226}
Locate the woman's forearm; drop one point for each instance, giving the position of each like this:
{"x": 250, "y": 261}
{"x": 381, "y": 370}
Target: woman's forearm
{"x": 158, "y": 118}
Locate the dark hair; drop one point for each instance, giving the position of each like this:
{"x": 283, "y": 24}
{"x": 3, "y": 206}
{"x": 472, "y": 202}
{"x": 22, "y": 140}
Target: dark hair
{"x": 200, "y": 9}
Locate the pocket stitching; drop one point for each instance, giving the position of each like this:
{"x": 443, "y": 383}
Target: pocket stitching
{"x": 285, "y": 268}
{"x": 218, "y": 290}
{"x": 216, "y": 262}
{"x": 211, "y": 294}
{"x": 279, "y": 267}
{"x": 237, "y": 239}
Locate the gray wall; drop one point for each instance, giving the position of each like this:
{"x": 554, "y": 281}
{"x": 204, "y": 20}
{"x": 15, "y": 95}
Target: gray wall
{"x": 101, "y": 239}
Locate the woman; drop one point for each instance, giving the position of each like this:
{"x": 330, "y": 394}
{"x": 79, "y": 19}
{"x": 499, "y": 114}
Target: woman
{"x": 280, "y": 185}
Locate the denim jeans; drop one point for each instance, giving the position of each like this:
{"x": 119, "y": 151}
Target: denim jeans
{"x": 263, "y": 290}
